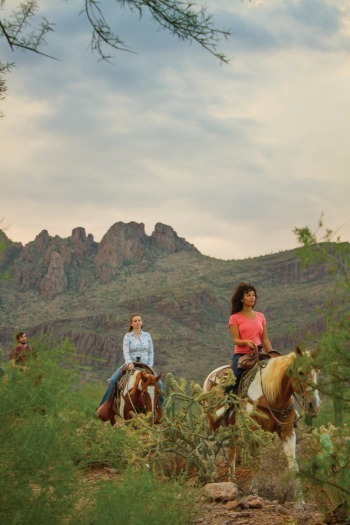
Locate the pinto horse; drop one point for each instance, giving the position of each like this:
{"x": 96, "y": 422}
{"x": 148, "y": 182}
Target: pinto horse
{"x": 271, "y": 393}
{"x": 139, "y": 395}
{"x": 138, "y": 392}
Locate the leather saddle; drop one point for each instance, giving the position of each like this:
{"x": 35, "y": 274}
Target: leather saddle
{"x": 247, "y": 361}
{"x": 124, "y": 378}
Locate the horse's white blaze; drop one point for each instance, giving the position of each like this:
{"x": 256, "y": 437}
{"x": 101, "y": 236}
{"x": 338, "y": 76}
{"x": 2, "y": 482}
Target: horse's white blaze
{"x": 129, "y": 386}
{"x": 312, "y": 398}
{"x": 152, "y": 393}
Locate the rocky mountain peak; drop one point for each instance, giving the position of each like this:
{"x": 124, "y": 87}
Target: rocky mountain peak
{"x": 42, "y": 240}
{"x": 78, "y": 235}
{"x": 53, "y": 265}
{"x": 166, "y": 238}
{"x": 122, "y": 243}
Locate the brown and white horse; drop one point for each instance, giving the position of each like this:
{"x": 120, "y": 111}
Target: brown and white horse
{"x": 139, "y": 395}
{"x": 271, "y": 393}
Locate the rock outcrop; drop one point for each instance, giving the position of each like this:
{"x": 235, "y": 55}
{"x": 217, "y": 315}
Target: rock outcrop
{"x": 51, "y": 265}
{"x": 55, "y": 281}
{"x": 122, "y": 244}
{"x": 128, "y": 243}
{"x": 165, "y": 238}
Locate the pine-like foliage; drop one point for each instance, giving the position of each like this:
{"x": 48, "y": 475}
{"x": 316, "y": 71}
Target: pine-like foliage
{"x": 328, "y": 454}
{"x": 38, "y": 478}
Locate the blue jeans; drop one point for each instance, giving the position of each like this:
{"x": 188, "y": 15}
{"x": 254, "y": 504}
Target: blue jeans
{"x": 238, "y": 372}
{"x": 113, "y": 383}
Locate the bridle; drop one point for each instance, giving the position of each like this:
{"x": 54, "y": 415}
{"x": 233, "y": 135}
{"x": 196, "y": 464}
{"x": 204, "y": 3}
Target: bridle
{"x": 144, "y": 393}
{"x": 281, "y": 414}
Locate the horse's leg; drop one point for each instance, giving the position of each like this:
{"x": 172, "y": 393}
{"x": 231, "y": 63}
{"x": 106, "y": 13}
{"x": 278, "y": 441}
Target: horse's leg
{"x": 232, "y": 456}
{"x": 159, "y": 412}
{"x": 289, "y": 445}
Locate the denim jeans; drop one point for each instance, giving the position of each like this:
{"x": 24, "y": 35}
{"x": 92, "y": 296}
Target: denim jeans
{"x": 238, "y": 372}
{"x": 113, "y": 383}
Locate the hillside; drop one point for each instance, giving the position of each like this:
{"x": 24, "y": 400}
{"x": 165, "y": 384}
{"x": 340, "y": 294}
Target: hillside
{"x": 86, "y": 291}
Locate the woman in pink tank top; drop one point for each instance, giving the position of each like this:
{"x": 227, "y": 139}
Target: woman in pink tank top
{"x": 247, "y": 327}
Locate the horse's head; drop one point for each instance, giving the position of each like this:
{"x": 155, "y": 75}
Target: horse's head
{"x": 149, "y": 391}
{"x": 305, "y": 376}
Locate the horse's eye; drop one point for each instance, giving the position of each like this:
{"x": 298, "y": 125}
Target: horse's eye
{"x": 301, "y": 373}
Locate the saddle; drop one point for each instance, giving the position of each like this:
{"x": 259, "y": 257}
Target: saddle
{"x": 247, "y": 361}
{"x": 124, "y": 378}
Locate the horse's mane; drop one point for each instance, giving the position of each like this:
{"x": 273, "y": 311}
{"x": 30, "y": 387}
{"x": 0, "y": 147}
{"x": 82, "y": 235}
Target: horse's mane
{"x": 273, "y": 374}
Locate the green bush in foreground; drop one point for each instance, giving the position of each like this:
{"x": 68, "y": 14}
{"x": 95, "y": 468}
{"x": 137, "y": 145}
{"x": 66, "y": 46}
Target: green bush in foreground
{"x": 38, "y": 478}
{"x": 139, "y": 500}
{"x": 327, "y": 465}
{"x": 50, "y": 438}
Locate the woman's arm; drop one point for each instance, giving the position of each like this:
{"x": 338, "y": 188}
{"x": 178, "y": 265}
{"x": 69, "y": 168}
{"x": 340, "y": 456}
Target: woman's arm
{"x": 150, "y": 352}
{"x": 266, "y": 341}
{"x": 126, "y": 349}
{"x": 237, "y": 339}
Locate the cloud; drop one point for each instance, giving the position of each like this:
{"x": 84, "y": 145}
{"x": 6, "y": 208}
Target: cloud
{"x": 233, "y": 157}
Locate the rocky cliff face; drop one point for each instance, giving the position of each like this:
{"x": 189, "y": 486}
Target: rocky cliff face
{"x": 126, "y": 243}
{"x": 52, "y": 265}
{"x": 122, "y": 243}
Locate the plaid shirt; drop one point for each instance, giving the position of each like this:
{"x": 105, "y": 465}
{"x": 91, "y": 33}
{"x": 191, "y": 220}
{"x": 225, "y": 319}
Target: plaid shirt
{"x": 20, "y": 354}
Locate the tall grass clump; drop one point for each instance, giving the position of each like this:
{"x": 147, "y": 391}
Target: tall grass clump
{"x": 138, "y": 500}
{"x": 38, "y": 477}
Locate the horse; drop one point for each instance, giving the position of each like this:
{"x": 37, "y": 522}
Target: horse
{"x": 271, "y": 394}
{"x": 138, "y": 393}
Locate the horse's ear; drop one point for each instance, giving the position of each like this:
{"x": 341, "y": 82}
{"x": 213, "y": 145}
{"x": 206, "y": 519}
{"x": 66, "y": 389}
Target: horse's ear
{"x": 314, "y": 352}
{"x": 299, "y": 351}
{"x": 136, "y": 383}
{"x": 158, "y": 376}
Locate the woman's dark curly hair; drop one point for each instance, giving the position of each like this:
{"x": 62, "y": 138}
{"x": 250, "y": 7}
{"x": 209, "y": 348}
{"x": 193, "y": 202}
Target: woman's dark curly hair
{"x": 237, "y": 298}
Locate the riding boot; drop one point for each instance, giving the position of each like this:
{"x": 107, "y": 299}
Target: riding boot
{"x": 230, "y": 389}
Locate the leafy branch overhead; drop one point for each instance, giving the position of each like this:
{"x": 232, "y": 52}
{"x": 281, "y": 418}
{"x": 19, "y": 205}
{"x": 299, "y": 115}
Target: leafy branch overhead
{"x": 183, "y": 19}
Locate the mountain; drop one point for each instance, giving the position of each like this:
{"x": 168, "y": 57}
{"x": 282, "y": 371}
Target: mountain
{"x": 83, "y": 290}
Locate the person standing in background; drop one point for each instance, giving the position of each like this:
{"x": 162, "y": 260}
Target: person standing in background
{"x": 22, "y": 352}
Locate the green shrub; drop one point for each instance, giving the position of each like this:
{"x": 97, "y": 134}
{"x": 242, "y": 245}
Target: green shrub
{"x": 38, "y": 477}
{"x": 139, "y": 500}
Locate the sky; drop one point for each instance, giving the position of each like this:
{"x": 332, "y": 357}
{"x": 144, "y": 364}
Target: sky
{"x": 232, "y": 156}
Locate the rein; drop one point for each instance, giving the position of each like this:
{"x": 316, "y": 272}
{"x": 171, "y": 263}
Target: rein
{"x": 128, "y": 393}
{"x": 129, "y": 396}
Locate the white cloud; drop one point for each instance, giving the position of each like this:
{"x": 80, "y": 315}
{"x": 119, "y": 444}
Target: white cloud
{"x": 233, "y": 157}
